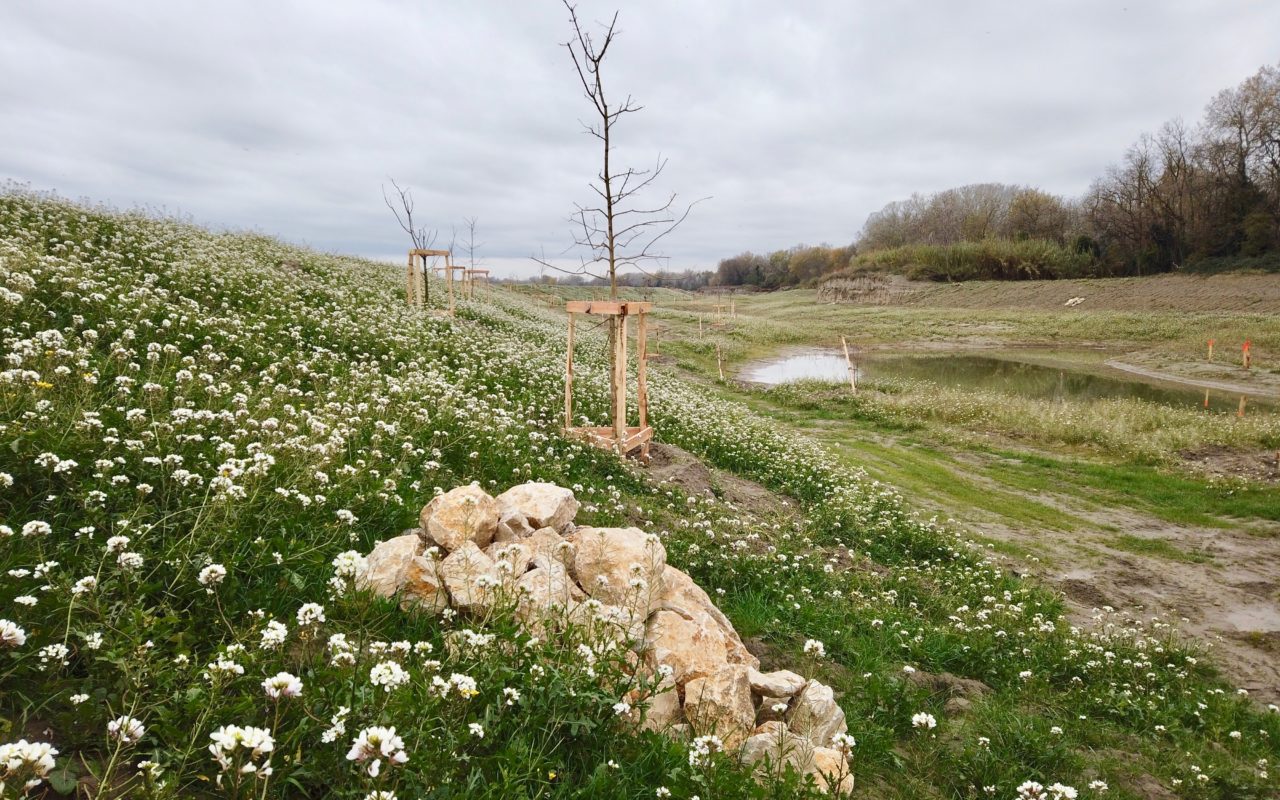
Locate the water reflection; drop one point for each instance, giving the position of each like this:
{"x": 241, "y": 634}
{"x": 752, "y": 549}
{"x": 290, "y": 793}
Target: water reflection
{"x": 971, "y": 371}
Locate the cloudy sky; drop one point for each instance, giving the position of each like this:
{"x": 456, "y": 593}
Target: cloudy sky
{"x": 796, "y": 119}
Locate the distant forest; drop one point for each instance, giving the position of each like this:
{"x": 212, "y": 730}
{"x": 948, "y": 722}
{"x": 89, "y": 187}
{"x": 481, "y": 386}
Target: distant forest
{"x": 1194, "y": 198}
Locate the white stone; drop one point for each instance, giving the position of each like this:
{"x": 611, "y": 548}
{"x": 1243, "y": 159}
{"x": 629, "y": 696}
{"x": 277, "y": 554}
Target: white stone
{"x": 464, "y": 514}
{"x": 470, "y": 576}
{"x": 387, "y": 564}
{"x": 620, "y": 566}
{"x": 815, "y": 714}
{"x": 780, "y": 683}
{"x": 720, "y": 704}
{"x": 688, "y": 648}
{"x": 543, "y": 505}
{"x": 680, "y": 592}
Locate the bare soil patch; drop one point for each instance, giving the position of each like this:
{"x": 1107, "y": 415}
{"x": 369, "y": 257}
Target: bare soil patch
{"x": 1226, "y": 462}
{"x": 1258, "y": 293}
{"x": 680, "y": 468}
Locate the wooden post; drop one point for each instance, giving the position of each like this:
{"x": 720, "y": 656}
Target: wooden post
{"x": 848, "y": 363}
{"x": 1244, "y": 353}
{"x": 448, "y": 268}
{"x": 719, "y": 363}
{"x": 410, "y": 296}
{"x": 620, "y": 382}
{"x": 1206, "y": 398}
{"x": 568, "y": 379}
{"x": 1240, "y": 410}
{"x": 733, "y": 307}
{"x": 1210, "y": 351}
{"x": 699, "y": 326}
{"x": 642, "y": 385}
{"x": 655, "y": 340}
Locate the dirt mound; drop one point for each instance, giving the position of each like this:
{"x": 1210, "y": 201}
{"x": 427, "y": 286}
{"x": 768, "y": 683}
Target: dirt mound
{"x": 670, "y": 464}
{"x": 1226, "y": 462}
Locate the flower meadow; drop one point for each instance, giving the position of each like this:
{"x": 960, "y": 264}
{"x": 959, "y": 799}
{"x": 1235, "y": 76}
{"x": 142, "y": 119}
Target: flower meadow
{"x": 202, "y": 433}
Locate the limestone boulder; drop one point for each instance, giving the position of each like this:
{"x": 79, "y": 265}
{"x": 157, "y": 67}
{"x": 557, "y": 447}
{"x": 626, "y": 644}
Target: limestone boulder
{"x": 680, "y": 592}
{"x": 387, "y": 564}
{"x": 613, "y": 623}
{"x": 423, "y": 588}
{"x": 815, "y": 714}
{"x": 546, "y": 543}
{"x": 773, "y": 747}
{"x": 830, "y": 770}
{"x": 543, "y": 505}
{"x": 464, "y": 514}
{"x": 546, "y": 592}
{"x": 511, "y": 559}
{"x": 512, "y": 526}
{"x": 470, "y": 576}
{"x": 659, "y": 710}
{"x": 781, "y": 683}
{"x": 772, "y": 709}
{"x": 682, "y": 644}
{"x": 620, "y": 566}
{"x": 720, "y": 704}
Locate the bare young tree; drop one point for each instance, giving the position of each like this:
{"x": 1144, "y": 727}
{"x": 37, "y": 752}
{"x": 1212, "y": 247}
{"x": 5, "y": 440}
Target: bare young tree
{"x": 470, "y": 222}
{"x": 614, "y": 229}
{"x": 402, "y": 207}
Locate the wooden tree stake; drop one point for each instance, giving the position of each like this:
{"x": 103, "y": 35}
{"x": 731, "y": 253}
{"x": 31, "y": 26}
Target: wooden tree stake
{"x": 568, "y": 379}
{"x": 719, "y": 362}
{"x": 1240, "y": 410}
{"x": 642, "y": 382}
{"x": 1210, "y": 351}
{"x": 848, "y": 363}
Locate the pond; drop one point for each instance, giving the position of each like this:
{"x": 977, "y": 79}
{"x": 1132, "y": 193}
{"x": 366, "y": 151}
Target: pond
{"x": 989, "y": 372}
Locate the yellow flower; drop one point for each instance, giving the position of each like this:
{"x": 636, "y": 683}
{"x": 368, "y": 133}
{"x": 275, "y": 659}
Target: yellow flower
{"x": 551, "y": 775}
{"x": 43, "y": 385}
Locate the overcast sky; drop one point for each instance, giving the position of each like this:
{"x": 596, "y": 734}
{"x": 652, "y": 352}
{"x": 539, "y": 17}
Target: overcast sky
{"x": 797, "y": 119}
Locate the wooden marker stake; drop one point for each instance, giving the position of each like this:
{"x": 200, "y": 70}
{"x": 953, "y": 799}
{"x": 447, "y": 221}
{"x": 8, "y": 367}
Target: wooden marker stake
{"x": 1244, "y": 353}
{"x": 1240, "y": 411}
{"x": 733, "y": 308}
{"x": 848, "y": 363}
{"x": 719, "y": 363}
{"x": 699, "y": 326}
{"x": 568, "y": 379}
{"x": 1210, "y": 351}
{"x": 1206, "y": 398}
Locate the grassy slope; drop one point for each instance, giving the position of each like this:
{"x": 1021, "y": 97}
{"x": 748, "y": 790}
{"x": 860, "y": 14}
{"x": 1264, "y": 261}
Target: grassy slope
{"x": 265, "y": 368}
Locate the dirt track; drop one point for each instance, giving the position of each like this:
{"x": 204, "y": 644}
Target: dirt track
{"x": 1252, "y": 293}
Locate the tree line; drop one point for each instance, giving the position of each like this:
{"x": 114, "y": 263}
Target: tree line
{"x": 1198, "y": 197}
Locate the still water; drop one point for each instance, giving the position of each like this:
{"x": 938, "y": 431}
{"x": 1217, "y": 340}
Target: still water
{"x": 970, "y": 371}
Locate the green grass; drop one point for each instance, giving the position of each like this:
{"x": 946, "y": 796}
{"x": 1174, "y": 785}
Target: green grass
{"x": 187, "y": 390}
{"x": 1168, "y": 496}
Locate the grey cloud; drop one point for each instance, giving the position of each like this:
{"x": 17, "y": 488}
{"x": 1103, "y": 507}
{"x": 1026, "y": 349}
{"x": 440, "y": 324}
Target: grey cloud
{"x": 798, "y": 119}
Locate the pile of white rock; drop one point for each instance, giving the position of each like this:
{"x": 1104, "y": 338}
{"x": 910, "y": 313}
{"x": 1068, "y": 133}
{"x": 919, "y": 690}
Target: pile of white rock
{"x": 473, "y": 550}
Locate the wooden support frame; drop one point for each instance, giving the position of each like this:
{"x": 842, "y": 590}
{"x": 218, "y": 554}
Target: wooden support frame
{"x": 469, "y": 280}
{"x": 619, "y": 436}
{"x": 417, "y": 292}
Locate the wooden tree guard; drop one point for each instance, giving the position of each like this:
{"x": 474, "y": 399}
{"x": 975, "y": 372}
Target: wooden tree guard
{"x": 415, "y": 290}
{"x": 469, "y": 280}
{"x": 619, "y": 437}
{"x": 416, "y": 280}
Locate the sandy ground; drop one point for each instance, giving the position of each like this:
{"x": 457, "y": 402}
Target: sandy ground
{"x": 1254, "y": 293}
{"x": 1229, "y": 601}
